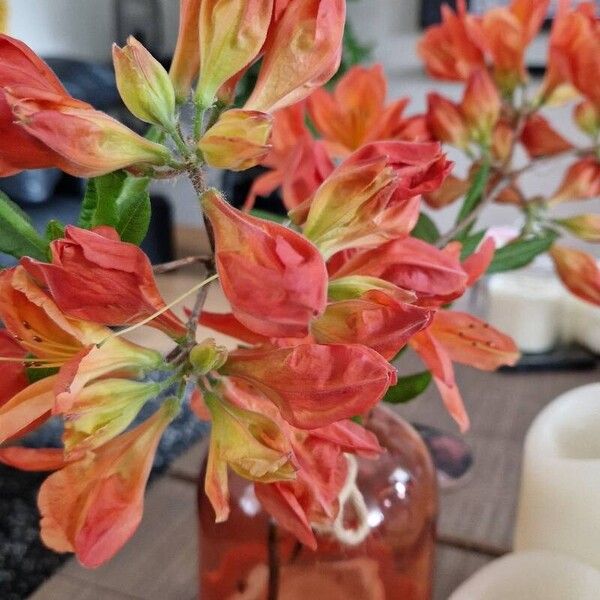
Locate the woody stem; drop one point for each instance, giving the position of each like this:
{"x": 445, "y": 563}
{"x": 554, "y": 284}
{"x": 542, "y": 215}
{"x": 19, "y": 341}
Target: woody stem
{"x": 174, "y": 265}
{"x": 273, "y": 551}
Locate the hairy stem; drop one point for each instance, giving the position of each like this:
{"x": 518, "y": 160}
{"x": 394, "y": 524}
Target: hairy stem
{"x": 192, "y": 322}
{"x": 175, "y": 265}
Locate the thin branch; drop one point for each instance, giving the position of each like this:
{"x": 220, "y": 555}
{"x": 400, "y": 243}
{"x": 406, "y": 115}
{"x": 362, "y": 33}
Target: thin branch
{"x": 174, "y": 265}
{"x": 507, "y": 178}
{"x": 192, "y": 322}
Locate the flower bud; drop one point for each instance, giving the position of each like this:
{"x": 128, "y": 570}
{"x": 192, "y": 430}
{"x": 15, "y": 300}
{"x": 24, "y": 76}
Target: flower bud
{"x": 354, "y": 286}
{"x": 373, "y": 196}
{"x": 481, "y": 107}
{"x": 238, "y": 140}
{"x": 581, "y": 181}
{"x": 207, "y": 356}
{"x": 540, "y": 139}
{"x": 578, "y": 271}
{"x": 585, "y": 227}
{"x": 587, "y": 117}
{"x": 232, "y": 33}
{"x": 91, "y": 142}
{"x": 376, "y": 320}
{"x": 446, "y": 122}
{"x": 144, "y": 84}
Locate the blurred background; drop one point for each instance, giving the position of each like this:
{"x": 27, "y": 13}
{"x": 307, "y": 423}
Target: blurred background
{"x": 83, "y": 30}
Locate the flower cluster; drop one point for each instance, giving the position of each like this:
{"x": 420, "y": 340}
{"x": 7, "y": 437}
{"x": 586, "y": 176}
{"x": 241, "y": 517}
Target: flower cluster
{"x": 323, "y": 304}
{"x": 497, "y": 116}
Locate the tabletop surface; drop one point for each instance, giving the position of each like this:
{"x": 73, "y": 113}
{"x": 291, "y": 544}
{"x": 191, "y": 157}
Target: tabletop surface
{"x": 476, "y": 519}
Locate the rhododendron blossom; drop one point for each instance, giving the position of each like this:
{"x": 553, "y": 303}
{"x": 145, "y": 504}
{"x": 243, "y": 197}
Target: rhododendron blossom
{"x": 321, "y": 302}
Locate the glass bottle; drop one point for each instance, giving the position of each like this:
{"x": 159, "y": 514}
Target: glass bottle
{"x": 249, "y": 558}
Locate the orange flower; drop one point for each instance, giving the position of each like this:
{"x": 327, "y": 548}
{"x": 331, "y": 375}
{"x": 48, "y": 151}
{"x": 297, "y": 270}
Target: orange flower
{"x": 574, "y": 48}
{"x": 505, "y": 33}
{"x": 95, "y": 276}
{"x": 451, "y": 190}
{"x": 250, "y": 443}
{"x": 297, "y": 163}
{"x": 446, "y": 121}
{"x": 481, "y": 107}
{"x": 93, "y": 506}
{"x": 14, "y": 378}
{"x": 356, "y": 112}
{"x": 42, "y": 126}
{"x": 232, "y": 33}
{"x": 373, "y": 196}
{"x": 90, "y": 141}
{"x": 322, "y": 471}
{"x": 460, "y": 337}
{"x": 448, "y": 49}
{"x": 473, "y": 120}
{"x": 435, "y": 276}
{"x": 581, "y": 181}
{"x": 578, "y": 271}
{"x": 275, "y": 279}
{"x": 36, "y": 324}
{"x": 315, "y": 385}
{"x": 144, "y": 85}
{"x": 19, "y": 66}
{"x": 185, "y": 66}
{"x": 33, "y": 459}
{"x": 376, "y": 319}
{"x": 238, "y": 140}
{"x": 103, "y": 410}
{"x": 312, "y": 497}
{"x": 540, "y": 139}
{"x": 302, "y": 52}
{"x": 503, "y": 138}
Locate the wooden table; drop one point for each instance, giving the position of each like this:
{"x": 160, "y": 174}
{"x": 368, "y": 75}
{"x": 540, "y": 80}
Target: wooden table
{"x": 476, "y": 520}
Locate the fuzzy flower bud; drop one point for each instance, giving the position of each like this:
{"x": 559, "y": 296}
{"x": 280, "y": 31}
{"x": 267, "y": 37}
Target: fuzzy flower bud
{"x": 207, "y": 356}
{"x": 144, "y": 84}
{"x": 238, "y": 140}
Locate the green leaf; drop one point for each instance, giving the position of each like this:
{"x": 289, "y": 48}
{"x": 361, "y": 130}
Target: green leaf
{"x": 54, "y": 230}
{"x": 426, "y": 230}
{"x": 120, "y": 201}
{"x": 473, "y": 197}
{"x": 100, "y": 201}
{"x": 134, "y": 215}
{"x": 17, "y": 235}
{"x": 521, "y": 252}
{"x": 470, "y": 243}
{"x": 268, "y": 216}
{"x": 408, "y": 387}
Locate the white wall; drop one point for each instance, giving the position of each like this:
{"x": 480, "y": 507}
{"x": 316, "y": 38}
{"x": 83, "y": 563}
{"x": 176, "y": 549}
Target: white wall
{"x": 83, "y": 29}
{"x": 86, "y": 28}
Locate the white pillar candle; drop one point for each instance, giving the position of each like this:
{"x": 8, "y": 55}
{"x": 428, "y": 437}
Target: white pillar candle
{"x": 532, "y": 576}
{"x": 581, "y": 322}
{"x": 527, "y": 307}
{"x": 559, "y": 503}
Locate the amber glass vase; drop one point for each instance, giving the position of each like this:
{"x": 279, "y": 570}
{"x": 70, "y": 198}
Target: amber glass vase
{"x": 249, "y": 558}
